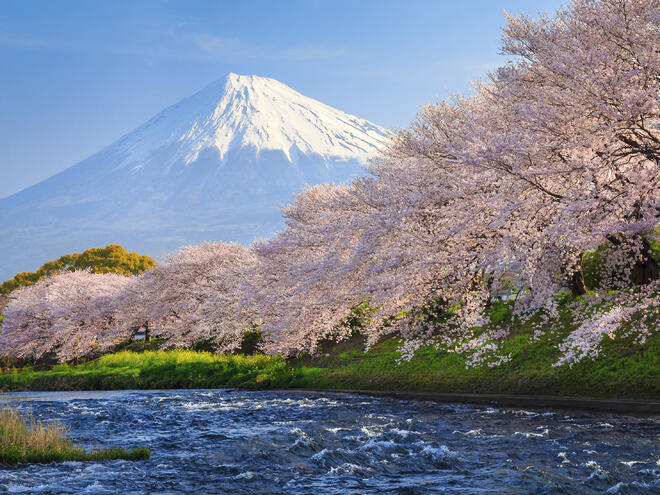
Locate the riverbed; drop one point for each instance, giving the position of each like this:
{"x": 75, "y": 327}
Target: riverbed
{"x": 220, "y": 441}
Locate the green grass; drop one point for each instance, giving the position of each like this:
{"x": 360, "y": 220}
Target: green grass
{"x": 155, "y": 370}
{"x": 24, "y": 439}
{"x": 623, "y": 370}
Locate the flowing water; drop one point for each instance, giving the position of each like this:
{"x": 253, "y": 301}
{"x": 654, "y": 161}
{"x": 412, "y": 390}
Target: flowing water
{"x": 215, "y": 441}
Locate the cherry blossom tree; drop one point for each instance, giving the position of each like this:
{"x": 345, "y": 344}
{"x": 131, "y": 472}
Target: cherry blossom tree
{"x": 557, "y": 154}
{"x": 299, "y": 286}
{"x": 567, "y": 136}
{"x": 577, "y": 116}
{"x": 192, "y": 297}
{"x": 71, "y": 314}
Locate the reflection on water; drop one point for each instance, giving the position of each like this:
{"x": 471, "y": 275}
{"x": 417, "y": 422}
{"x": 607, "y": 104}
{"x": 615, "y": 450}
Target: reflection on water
{"x": 215, "y": 441}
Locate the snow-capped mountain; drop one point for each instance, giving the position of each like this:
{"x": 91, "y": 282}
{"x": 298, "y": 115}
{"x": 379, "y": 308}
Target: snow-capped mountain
{"x": 215, "y": 166}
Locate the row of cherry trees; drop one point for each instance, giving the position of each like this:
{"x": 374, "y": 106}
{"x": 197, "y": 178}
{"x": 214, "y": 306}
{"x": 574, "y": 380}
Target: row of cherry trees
{"x": 557, "y": 154}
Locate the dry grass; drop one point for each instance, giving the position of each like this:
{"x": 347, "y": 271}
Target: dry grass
{"x": 25, "y": 439}
{"x": 22, "y": 430}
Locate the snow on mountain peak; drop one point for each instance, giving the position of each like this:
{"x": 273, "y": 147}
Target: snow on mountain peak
{"x": 217, "y": 165}
{"x": 241, "y": 111}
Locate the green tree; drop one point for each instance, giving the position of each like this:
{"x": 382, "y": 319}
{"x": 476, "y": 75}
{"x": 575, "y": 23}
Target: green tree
{"x": 111, "y": 259}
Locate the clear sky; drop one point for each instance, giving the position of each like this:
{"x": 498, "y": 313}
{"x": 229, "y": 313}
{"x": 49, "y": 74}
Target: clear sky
{"x": 76, "y": 75}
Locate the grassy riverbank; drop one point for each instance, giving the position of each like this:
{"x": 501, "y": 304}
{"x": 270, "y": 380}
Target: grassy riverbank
{"x": 24, "y": 439}
{"x": 155, "y": 370}
{"x": 625, "y": 370}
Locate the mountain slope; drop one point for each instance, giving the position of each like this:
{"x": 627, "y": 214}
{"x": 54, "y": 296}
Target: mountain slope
{"x": 215, "y": 166}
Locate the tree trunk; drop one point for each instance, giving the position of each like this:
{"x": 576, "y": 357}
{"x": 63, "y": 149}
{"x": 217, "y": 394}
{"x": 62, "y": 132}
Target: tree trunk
{"x": 576, "y": 280}
{"x": 645, "y": 269}
{"x": 147, "y": 335}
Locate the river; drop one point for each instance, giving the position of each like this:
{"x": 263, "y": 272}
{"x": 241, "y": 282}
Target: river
{"x": 218, "y": 441}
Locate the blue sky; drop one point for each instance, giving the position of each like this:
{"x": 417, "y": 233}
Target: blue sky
{"x": 76, "y": 75}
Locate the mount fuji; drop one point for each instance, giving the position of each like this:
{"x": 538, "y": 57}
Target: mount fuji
{"x": 215, "y": 166}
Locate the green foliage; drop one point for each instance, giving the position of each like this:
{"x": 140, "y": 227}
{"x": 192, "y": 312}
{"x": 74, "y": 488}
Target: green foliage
{"x": 350, "y": 327}
{"x": 153, "y": 344}
{"x": 500, "y": 311}
{"x": 156, "y": 370}
{"x": 359, "y": 317}
{"x": 436, "y": 311}
{"x": 593, "y": 262}
{"x": 251, "y": 341}
{"x": 111, "y": 259}
{"x": 355, "y": 321}
{"x": 24, "y": 439}
{"x": 654, "y": 242}
{"x": 74, "y": 454}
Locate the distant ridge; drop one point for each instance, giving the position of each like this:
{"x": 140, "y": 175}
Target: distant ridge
{"x": 215, "y": 166}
